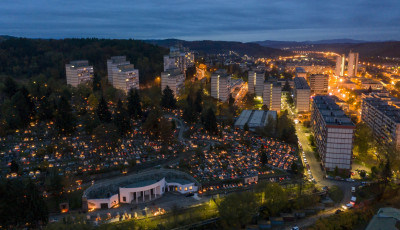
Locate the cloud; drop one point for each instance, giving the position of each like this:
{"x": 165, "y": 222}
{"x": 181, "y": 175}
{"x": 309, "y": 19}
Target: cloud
{"x": 218, "y": 19}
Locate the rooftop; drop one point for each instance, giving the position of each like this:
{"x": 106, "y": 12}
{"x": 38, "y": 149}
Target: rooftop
{"x": 386, "y": 218}
{"x": 331, "y": 112}
{"x": 382, "y": 104}
{"x": 300, "y": 70}
{"x": 301, "y": 83}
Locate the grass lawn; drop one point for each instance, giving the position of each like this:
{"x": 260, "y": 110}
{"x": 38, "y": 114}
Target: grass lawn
{"x": 336, "y": 194}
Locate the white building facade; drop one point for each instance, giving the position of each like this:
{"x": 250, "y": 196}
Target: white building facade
{"x": 333, "y": 132}
{"x": 272, "y": 95}
{"x": 174, "y": 79}
{"x": 301, "y": 94}
{"x": 78, "y": 72}
{"x": 319, "y": 84}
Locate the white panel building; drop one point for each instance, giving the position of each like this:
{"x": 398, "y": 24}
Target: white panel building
{"x": 78, "y": 72}
{"x": 333, "y": 132}
{"x": 112, "y": 66}
{"x": 319, "y": 84}
{"x": 178, "y": 58}
{"x": 340, "y": 64}
{"x": 301, "y": 94}
{"x": 220, "y": 85}
{"x": 352, "y": 67}
{"x": 272, "y": 95}
{"x": 382, "y": 114}
{"x": 174, "y": 79}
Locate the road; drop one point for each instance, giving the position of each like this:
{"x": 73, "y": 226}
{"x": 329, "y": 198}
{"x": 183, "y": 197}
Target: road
{"x": 318, "y": 173}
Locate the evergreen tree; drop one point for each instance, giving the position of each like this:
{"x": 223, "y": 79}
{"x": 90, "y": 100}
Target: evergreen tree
{"x": 188, "y": 111}
{"x": 231, "y": 100}
{"x": 210, "y": 121}
{"x": 168, "y": 100}
{"x": 198, "y": 103}
{"x": 10, "y": 87}
{"x": 64, "y": 118}
{"x": 14, "y": 167}
{"x": 121, "y": 119}
{"x": 134, "y": 106}
{"x": 102, "y": 111}
{"x": 264, "y": 158}
{"x": 286, "y": 87}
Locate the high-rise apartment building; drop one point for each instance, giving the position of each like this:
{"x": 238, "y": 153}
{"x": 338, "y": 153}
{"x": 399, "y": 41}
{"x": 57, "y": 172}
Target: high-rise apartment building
{"x": 78, "y": 72}
{"x": 121, "y": 74}
{"x": 340, "y": 65}
{"x": 256, "y": 82}
{"x": 382, "y": 114}
{"x": 178, "y": 58}
{"x": 174, "y": 79}
{"x": 333, "y": 132}
{"x": 301, "y": 94}
{"x": 112, "y": 65}
{"x": 319, "y": 84}
{"x": 220, "y": 85}
{"x": 272, "y": 95}
{"x": 352, "y": 67}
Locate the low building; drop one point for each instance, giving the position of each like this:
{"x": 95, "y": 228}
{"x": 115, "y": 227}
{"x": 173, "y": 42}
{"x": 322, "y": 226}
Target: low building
{"x": 333, "y": 132}
{"x": 137, "y": 188}
{"x": 255, "y": 119}
{"x": 319, "y": 84}
{"x": 367, "y": 83}
{"x": 272, "y": 95}
{"x": 174, "y": 79}
{"x": 386, "y": 219}
{"x": 301, "y": 94}
{"x": 300, "y": 72}
{"x": 78, "y": 72}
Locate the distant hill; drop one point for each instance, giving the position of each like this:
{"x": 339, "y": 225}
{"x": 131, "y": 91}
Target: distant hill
{"x": 369, "y": 49}
{"x": 215, "y": 47}
{"x": 290, "y": 44}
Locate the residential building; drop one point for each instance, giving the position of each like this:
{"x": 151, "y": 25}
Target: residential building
{"x": 272, "y": 95}
{"x": 367, "y": 83}
{"x": 78, "y": 72}
{"x": 256, "y": 82}
{"x": 301, "y": 94}
{"x": 333, "y": 132}
{"x": 121, "y": 74}
{"x": 174, "y": 79}
{"x": 319, "y": 84}
{"x": 300, "y": 72}
{"x": 340, "y": 65}
{"x": 255, "y": 119}
{"x": 386, "y": 219}
{"x": 178, "y": 58}
{"x": 112, "y": 65}
{"x": 382, "y": 114}
{"x": 220, "y": 85}
{"x": 352, "y": 67}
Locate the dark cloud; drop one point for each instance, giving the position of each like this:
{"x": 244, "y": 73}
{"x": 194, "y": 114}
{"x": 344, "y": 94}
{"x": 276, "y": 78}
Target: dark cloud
{"x": 244, "y": 20}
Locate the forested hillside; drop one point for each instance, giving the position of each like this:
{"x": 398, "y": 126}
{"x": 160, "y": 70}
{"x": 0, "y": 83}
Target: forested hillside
{"x": 22, "y": 58}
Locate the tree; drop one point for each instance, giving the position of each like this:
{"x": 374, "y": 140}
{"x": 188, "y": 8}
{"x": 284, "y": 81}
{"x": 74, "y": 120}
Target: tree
{"x": 274, "y": 198}
{"x": 65, "y": 121}
{"x": 106, "y": 134}
{"x": 386, "y": 173}
{"x": 14, "y": 167}
{"x": 189, "y": 111}
{"x": 168, "y": 100}
{"x": 134, "y": 104}
{"x": 363, "y": 139}
{"x": 92, "y": 100}
{"x": 121, "y": 119}
{"x": 165, "y": 130}
{"x": 246, "y": 127}
{"x": 287, "y": 87}
{"x": 210, "y": 121}
{"x": 231, "y": 100}
{"x": 264, "y": 157}
{"x": 198, "y": 102}
{"x": 264, "y": 107}
{"x": 237, "y": 209}
{"x": 10, "y": 87}
{"x": 102, "y": 111}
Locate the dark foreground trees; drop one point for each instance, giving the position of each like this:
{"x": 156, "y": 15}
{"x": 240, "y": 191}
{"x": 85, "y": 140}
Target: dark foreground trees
{"x": 21, "y": 205}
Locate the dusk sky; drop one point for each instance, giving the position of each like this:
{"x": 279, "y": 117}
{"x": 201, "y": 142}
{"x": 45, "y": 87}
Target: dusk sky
{"x": 235, "y": 20}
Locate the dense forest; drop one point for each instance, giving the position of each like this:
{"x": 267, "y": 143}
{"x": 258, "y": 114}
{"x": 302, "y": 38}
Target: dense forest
{"x": 23, "y": 58}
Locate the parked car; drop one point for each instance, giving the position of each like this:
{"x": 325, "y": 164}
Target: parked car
{"x": 338, "y": 211}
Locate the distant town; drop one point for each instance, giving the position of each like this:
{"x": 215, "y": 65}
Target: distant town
{"x": 125, "y": 134}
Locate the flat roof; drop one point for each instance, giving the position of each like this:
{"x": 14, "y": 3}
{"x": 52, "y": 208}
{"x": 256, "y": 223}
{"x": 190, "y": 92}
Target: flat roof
{"x": 331, "y": 112}
{"x": 301, "y": 83}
